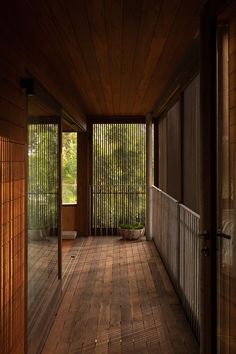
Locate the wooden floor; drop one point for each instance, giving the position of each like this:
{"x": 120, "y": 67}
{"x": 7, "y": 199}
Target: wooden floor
{"x": 120, "y": 300}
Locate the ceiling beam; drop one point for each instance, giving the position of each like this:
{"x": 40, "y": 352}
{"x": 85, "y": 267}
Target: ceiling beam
{"x": 139, "y": 119}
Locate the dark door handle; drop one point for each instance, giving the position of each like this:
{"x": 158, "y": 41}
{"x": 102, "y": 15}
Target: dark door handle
{"x": 223, "y": 235}
{"x": 220, "y": 233}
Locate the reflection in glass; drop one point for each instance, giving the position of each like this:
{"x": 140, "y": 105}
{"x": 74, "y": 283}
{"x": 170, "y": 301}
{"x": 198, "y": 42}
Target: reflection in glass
{"x": 69, "y": 167}
{"x": 43, "y": 214}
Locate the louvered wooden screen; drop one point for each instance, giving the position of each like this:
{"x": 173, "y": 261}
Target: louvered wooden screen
{"x": 43, "y": 177}
{"x": 12, "y": 202}
{"x": 118, "y": 193}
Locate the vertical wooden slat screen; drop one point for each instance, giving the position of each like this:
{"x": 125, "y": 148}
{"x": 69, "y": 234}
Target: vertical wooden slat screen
{"x": 174, "y": 151}
{"x": 162, "y": 137}
{"x": 119, "y": 176}
{"x": 169, "y": 146}
{"x": 12, "y": 202}
{"x": 191, "y": 150}
{"x": 43, "y": 177}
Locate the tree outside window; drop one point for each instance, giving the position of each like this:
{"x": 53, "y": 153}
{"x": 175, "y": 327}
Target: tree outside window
{"x": 69, "y": 168}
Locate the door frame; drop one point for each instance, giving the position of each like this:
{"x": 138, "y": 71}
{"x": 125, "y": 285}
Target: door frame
{"x": 34, "y": 88}
{"x": 208, "y": 180}
{"x": 212, "y": 13}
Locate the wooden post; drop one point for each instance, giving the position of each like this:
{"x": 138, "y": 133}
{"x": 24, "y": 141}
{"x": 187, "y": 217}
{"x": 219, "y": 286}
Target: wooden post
{"x": 59, "y": 199}
{"x": 208, "y": 195}
{"x": 84, "y": 179}
{"x": 149, "y": 176}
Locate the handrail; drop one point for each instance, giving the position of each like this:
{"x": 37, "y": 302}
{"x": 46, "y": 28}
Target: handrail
{"x": 166, "y": 194}
{"x": 189, "y": 210}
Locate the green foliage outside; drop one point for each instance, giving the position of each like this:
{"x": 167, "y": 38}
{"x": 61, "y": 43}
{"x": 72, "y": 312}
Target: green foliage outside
{"x": 119, "y": 174}
{"x": 69, "y": 168}
{"x": 131, "y": 226}
{"x": 42, "y": 176}
{"x": 119, "y": 154}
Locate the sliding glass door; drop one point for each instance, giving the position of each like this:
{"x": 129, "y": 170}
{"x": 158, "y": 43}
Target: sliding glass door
{"x": 43, "y": 224}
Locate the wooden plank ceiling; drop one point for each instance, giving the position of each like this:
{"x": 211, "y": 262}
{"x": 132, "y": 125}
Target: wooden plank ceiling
{"x": 107, "y": 57}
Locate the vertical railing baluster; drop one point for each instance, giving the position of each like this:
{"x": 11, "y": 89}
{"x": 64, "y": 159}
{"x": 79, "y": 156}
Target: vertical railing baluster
{"x": 181, "y": 250}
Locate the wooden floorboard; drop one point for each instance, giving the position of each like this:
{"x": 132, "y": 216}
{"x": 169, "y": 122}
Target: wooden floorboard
{"x": 120, "y": 301}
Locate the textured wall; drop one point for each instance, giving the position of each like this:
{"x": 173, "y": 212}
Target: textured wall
{"x": 12, "y": 205}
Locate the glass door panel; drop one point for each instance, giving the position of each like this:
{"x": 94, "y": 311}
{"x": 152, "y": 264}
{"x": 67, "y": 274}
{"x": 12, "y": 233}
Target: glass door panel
{"x": 43, "y": 223}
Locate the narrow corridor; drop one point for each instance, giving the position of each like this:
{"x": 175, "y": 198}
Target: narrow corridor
{"x": 120, "y": 300}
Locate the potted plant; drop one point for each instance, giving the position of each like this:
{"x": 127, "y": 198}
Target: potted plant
{"x": 39, "y": 229}
{"x": 131, "y": 231}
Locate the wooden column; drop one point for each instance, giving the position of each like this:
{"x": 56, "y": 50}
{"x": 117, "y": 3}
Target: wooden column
{"x": 59, "y": 199}
{"x": 208, "y": 194}
{"x": 83, "y": 184}
{"x": 149, "y": 176}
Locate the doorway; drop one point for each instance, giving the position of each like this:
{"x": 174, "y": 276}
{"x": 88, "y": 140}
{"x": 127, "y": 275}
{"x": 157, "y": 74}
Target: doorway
{"x": 43, "y": 219}
{"x": 118, "y": 190}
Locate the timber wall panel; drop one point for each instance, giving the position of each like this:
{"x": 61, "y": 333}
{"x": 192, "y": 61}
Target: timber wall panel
{"x": 12, "y": 203}
{"x": 69, "y": 217}
{"x": 232, "y": 104}
{"x": 233, "y": 116}
{"x": 191, "y": 146}
{"x": 174, "y": 151}
{"x": 178, "y": 136}
{"x": 170, "y": 151}
{"x": 162, "y": 131}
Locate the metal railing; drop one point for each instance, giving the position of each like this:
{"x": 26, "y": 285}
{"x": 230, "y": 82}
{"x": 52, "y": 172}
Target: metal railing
{"x": 112, "y": 205}
{"x": 175, "y": 231}
{"x": 165, "y": 229}
{"x": 189, "y": 259}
